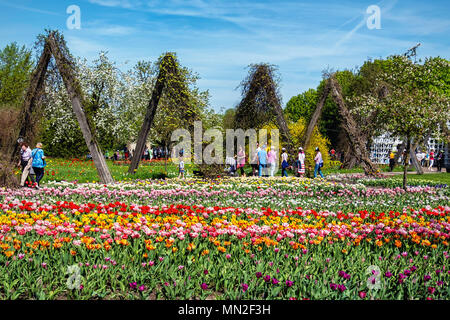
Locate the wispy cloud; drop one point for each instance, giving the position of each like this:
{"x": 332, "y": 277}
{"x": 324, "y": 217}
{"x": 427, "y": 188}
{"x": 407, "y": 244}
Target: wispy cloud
{"x": 31, "y": 9}
{"x": 115, "y": 3}
{"x": 104, "y": 28}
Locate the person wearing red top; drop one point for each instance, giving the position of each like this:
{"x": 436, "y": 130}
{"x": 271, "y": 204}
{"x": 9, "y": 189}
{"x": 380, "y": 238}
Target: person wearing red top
{"x": 431, "y": 160}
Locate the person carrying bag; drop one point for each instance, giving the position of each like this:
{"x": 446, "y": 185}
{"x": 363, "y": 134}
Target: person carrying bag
{"x": 38, "y": 163}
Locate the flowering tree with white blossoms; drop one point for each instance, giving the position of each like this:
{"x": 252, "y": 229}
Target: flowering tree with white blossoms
{"x": 416, "y": 102}
{"x": 116, "y": 102}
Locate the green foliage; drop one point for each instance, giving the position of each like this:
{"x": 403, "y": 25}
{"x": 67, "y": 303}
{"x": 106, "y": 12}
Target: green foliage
{"x": 182, "y": 102}
{"x": 73, "y": 145}
{"x": 416, "y": 100}
{"x": 415, "y": 103}
{"x": 304, "y": 105}
{"x": 298, "y": 130}
{"x": 228, "y": 118}
{"x": 16, "y": 66}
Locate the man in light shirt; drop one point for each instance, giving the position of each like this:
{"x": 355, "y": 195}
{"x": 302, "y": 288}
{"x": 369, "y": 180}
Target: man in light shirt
{"x": 262, "y": 161}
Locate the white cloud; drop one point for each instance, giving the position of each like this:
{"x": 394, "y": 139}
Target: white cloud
{"x": 114, "y": 3}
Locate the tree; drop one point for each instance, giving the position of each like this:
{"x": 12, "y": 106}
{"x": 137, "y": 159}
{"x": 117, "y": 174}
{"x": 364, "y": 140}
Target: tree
{"x": 415, "y": 103}
{"x": 16, "y": 65}
{"x": 102, "y": 87}
{"x": 228, "y": 118}
{"x": 302, "y": 106}
{"x": 172, "y": 115}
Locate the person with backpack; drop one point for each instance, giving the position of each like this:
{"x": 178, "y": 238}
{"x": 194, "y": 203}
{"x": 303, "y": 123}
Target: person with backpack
{"x": 319, "y": 163}
{"x": 38, "y": 163}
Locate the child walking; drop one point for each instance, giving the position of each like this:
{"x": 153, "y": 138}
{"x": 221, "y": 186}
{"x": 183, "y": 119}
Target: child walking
{"x": 181, "y": 169}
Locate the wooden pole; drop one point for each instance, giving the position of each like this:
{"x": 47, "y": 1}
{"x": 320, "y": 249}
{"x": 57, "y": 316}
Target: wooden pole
{"x": 36, "y": 86}
{"x": 354, "y": 136}
{"x": 406, "y": 161}
{"x": 72, "y": 87}
{"x": 317, "y": 112}
{"x": 150, "y": 114}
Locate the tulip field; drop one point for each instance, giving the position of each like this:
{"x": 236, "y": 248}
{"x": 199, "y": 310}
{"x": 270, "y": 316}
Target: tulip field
{"x": 233, "y": 238}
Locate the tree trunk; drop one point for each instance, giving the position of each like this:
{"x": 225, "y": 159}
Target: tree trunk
{"x": 64, "y": 67}
{"x": 32, "y": 95}
{"x": 316, "y": 115}
{"x": 399, "y": 152}
{"x": 406, "y": 160}
{"x": 148, "y": 120}
{"x": 357, "y": 145}
{"x": 284, "y": 129}
{"x": 414, "y": 160}
{"x": 351, "y": 163}
{"x": 165, "y": 158}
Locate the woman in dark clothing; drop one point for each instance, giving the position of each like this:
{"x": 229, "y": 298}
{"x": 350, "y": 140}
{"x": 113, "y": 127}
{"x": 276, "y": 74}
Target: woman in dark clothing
{"x": 440, "y": 160}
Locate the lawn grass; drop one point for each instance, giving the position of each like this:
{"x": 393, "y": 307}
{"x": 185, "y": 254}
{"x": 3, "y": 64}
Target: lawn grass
{"x": 84, "y": 171}
{"x": 443, "y": 178}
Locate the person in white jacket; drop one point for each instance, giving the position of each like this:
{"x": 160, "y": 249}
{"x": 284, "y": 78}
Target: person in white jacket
{"x": 301, "y": 162}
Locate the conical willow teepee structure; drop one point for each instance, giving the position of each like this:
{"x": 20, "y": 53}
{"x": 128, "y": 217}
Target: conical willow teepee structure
{"x": 261, "y": 102}
{"x": 171, "y": 84}
{"x": 55, "y": 45}
{"x": 357, "y": 141}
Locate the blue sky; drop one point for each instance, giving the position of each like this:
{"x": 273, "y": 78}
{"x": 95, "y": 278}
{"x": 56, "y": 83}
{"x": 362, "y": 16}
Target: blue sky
{"x": 218, "y": 39}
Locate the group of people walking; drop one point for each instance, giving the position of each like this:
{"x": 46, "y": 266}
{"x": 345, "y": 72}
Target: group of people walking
{"x": 32, "y": 163}
{"x": 429, "y": 159}
{"x": 264, "y": 162}
{"x": 426, "y": 159}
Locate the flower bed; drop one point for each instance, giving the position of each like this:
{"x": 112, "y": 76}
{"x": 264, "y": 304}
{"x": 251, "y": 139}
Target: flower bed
{"x": 228, "y": 239}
